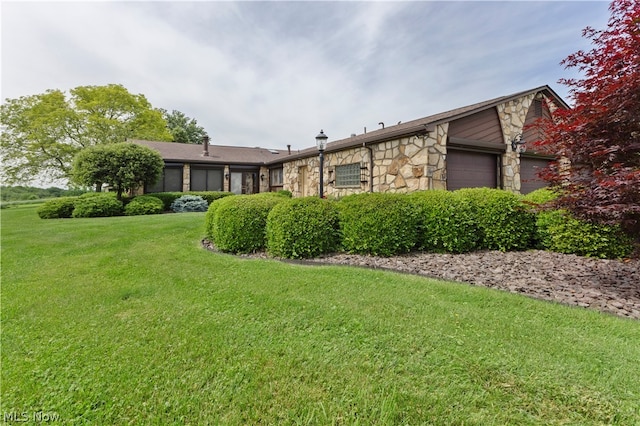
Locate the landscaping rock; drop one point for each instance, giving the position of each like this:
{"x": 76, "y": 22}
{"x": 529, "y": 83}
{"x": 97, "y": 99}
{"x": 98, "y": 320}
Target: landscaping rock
{"x": 611, "y": 286}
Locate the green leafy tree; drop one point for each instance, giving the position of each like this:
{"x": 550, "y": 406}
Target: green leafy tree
{"x": 123, "y": 166}
{"x": 183, "y": 128}
{"x": 42, "y": 133}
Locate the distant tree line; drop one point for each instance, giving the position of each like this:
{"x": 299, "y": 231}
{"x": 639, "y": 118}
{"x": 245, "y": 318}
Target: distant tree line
{"x": 22, "y": 193}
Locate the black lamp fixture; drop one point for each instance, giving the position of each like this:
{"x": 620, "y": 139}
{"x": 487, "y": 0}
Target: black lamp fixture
{"x": 226, "y": 176}
{"x": 518, "y": 144}
{"x": 262, "y": 177}
{"x": 321, "y": 141}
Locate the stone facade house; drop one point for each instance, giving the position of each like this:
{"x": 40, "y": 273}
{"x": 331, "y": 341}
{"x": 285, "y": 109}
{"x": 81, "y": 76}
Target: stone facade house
{"x": 472, "y": 146}
{"x": 193, "y": 167}
{"x": 466, "y": 147}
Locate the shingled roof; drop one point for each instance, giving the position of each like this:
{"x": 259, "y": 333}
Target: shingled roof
{"x": 218, "y": 154}
{"x": 420, "y": 125}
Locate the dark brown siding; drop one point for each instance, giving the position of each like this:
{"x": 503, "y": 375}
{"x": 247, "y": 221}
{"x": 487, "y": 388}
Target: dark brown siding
{"x": 482, "y": 126}
{"x": 532, "y": 133}
{"x": 468, "y": 169}
{"x": 529, "y": 180}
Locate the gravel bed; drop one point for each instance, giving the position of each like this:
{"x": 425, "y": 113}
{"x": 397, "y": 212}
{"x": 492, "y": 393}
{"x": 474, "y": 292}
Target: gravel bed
{"x": 611, "y": 286}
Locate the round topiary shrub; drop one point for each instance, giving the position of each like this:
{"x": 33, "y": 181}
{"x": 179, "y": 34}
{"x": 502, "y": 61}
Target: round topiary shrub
{"x": 209, "y": 219}
{"x": 446, "y": 222}
{"x": 503, "y": 220}
{"x": 238, "y": 223}
{"x": 97, "y": 205}
{"x": 381, "y": 224}
{"x": 302, "y": 228}
{"x": 57, "y": 208}
{"x": 189, "y": 203}
{"x": 144, "y": 204}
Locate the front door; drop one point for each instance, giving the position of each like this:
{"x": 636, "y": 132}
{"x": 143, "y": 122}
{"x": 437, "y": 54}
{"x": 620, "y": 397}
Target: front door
{"x": 244, "y": 183}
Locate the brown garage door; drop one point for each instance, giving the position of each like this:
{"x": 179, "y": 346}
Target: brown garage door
{"x": 529, "y": 180}
{"x": 468, "y": 169}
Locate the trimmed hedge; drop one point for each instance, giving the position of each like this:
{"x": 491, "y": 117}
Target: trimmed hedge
{"x": 381, "y": 224}
{"x": 238, "y": 223}
{"x": 446, "y": 222}
{"x": 142, "y": 205}
{"x": 210, "y": 196}
{"x": 564, "y": 234}
{"x": 302, "y": 228}
{"x": 97, "y": 205}
{"x": 169, "y": 197}
{"x": 189, "y": 203}
{"x": 57, "y": 208}
{"x": 558, "y": 231}
{"x": 504, "y": 222}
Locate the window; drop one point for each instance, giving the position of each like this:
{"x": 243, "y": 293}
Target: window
{"x": 348, "y": 175}
{"x": 171, "y": 180}
{"x": 275, "y": 177}
{"x": 206, "y": 179}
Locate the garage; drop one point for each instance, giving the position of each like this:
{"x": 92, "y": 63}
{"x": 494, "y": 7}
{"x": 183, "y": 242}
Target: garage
{"x": 470, "y": 169}
{"x": 529, "y": 168}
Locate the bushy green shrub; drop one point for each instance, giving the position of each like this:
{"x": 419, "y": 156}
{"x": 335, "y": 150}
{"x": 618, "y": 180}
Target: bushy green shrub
{"x": 504, "y": 222}
{"x": 167, "y": 198}
{"x": 559, "y": 231}
{"x": 189, "y": 203}
{"x": 446, "y": 222}
{"x": 209, "y": 219}
{"x": 97, "y": 205}
{"x": 285, "y": 192}
{"x": 540, "y": 196}
{"x": 302, "y": 228}
{"x": 238, "y": 223}
{"x": 210, "y": 196}
{"x": 144, "y": 204}
{"x": 57, "y": 208}
{"x": 382, "y": 224}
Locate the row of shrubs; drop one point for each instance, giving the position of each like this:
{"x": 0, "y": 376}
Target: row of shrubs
{"x": 96, "y": 204}
{"x": 389, "y": 224}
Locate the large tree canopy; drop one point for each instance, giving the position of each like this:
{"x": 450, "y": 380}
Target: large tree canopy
{"x": 122, "y": 166}
{"x": 600, "y": 137}
{"x": 42, "y": 133}
{"x": 182, "y": 128}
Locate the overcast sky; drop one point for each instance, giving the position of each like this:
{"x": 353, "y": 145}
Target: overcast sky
{"x": 274, "y": 73}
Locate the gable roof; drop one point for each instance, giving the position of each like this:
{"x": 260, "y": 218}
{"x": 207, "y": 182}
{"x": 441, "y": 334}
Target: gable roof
{"x": 218, "y": 154}
{"x": 236, "y": 155}
{"x": 421, "y": 125}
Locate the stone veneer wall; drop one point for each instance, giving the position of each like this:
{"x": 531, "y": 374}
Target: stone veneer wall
{"x": 512, "y": 116}
{"x": 402, "y": 165}
{"x": 186, "y": 177}
{"x": 407, "y": 164}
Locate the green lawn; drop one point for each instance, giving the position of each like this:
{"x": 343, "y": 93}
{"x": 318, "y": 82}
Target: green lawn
{"x": 128, "y": 320}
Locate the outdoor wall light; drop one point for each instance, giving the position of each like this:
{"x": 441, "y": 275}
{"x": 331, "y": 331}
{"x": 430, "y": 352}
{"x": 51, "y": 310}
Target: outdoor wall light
{"x": 518, "y": 144}
{"x": 321, "y": 141}
{"x": 226, "y": 176}
{"x": 262, "y": 177}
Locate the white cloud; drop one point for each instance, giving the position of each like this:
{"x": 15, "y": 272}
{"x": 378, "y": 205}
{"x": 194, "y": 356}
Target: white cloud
{"x": 274, "y": 73}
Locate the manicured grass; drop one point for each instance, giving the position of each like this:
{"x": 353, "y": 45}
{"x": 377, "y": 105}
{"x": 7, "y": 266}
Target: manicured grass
{"x": 128, "y": 320}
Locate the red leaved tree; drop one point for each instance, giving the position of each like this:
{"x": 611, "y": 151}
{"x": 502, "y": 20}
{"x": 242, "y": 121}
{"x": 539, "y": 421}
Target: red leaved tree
{"x": 600, "y": 137}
